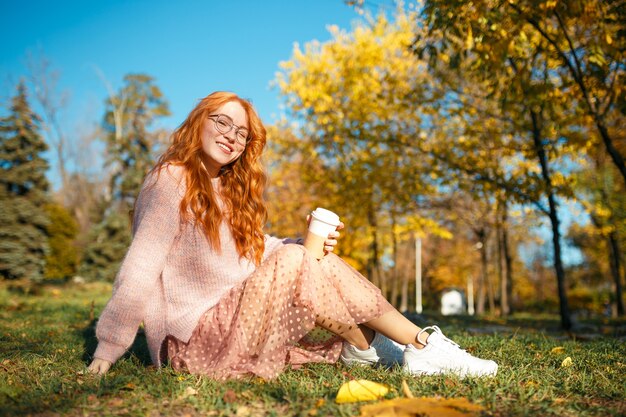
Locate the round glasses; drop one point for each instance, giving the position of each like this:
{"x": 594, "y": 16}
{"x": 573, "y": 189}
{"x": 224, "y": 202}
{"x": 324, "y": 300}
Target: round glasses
{"x": 224, "y": 124}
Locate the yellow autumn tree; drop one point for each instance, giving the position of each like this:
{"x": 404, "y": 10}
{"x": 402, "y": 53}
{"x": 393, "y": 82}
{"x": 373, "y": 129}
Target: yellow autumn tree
{"x": 357, "y": 99}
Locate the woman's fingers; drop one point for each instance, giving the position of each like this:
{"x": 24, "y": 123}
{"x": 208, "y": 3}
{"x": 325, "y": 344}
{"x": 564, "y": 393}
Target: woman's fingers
{"x": 99, "y": 366}
{"x": 334, "y": 236}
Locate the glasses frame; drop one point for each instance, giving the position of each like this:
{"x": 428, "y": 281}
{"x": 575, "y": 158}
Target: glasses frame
{"x": 217, "y": 117}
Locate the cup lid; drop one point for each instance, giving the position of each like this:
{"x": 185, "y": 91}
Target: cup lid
{"x": 326, "y": 216}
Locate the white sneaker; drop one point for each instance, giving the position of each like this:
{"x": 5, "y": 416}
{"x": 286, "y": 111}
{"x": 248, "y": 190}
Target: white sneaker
{"x": 382, "y": 351}
{"x": 442, "y": 355}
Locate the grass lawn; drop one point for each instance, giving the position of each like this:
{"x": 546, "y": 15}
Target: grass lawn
{"x": 46, "y": 340}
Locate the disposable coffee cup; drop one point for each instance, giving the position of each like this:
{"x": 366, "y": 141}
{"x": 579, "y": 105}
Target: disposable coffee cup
{"x": 322, "y": 223}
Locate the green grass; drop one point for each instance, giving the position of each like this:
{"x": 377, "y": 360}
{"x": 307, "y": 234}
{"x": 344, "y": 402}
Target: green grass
{"x": 46, "y": 340}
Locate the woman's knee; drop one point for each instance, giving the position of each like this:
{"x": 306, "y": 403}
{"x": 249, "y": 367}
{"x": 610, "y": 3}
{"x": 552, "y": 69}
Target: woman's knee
{"x": 291, "y": 251}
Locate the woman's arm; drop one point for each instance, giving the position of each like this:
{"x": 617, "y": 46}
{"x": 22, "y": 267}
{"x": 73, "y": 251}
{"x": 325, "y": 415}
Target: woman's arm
{"x": 272, "y": 243}
{"x": 156, "y": 224}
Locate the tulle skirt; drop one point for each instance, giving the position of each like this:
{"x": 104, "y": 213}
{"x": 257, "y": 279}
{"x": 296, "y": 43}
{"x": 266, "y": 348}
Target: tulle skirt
{"x": 274, "y": 318}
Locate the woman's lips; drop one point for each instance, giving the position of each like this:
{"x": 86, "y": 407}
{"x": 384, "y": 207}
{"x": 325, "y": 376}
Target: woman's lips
{"x": 224, "y": 147}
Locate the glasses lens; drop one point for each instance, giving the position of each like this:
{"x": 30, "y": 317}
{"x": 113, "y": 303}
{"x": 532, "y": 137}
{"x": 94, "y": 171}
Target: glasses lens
{"x": 242, "y": 136}
{"x": 223, "y": 124}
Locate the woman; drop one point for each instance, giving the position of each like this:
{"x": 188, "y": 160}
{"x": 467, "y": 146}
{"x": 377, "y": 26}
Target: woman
{"x": 218, "y": 297}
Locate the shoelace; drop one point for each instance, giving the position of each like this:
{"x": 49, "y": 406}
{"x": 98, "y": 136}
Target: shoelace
{"x": 454, "y": 346}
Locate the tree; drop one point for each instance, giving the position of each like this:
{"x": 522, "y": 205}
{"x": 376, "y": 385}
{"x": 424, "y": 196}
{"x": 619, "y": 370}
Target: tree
{"x": 603, "y": 197}
{"x": 130, "y": 154}
{"x": 62, "y": 260}
{"x": 584, "y": 41}
{"x": 23, "y": 193}
{"x": 352, "y": 95}
{"x": 108, "y": 241}
{"x": 589, "y": 42}
{"x": 44, "y": 85}
{"x": 518, "y": 70}
{"x": 130, "y": 144}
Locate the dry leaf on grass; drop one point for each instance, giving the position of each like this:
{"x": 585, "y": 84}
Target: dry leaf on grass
{"x": 406, "y": 390}
{"x": 189, "y": 391}
{"x": 566, "y": 362}
{"x": 230, "y": 396}
{"x": 360, "y": 390}
{"x": 558, "y": 350}
{"x": 422, "y": 407}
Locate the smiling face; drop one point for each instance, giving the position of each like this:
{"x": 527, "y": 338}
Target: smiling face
{"x": 220, "y": 149}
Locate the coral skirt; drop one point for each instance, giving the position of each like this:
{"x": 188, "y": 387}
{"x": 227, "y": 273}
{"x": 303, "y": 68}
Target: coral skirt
{"x": 274, "y": 318}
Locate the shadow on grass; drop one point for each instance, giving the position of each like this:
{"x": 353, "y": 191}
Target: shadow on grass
{"x": 139, "y": 348}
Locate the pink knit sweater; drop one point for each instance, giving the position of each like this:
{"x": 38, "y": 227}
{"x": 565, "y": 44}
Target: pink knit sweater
{"x": 171, "y": 275}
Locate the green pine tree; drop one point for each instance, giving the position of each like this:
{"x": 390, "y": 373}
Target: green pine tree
{"x": 109, "y": 240}
{"x": 23, "y": 193}
{"x": 130, "y": 147}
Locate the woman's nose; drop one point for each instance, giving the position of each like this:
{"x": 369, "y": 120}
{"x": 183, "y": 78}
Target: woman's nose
{"x": 230, "y": 135}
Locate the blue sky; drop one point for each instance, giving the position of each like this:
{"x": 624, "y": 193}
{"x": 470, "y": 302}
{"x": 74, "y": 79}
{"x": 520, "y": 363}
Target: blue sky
{"x": 191, "y": 47}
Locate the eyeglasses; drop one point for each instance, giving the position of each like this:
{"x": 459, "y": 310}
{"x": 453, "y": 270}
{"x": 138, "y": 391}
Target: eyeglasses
{"x": 224, "y": 124}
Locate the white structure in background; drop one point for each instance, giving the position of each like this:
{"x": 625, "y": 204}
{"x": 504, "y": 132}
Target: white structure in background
{"x": 452, "y": 302}
{"x": 418, "y": 275}
{"x": 470, "y": 295}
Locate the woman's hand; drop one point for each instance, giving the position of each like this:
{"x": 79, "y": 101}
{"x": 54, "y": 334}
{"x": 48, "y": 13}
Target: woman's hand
{"x": 99, "y": 366}
{"x": 331, "y": 242}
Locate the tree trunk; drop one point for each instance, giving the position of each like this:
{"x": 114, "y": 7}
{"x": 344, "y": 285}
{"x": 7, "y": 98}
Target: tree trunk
{"x": 487, "y": 281}
{"x": 482, "y": 278}
{"x": 406, "y": 273}
{"x": 615, "y": 262}
{"x": 393, "y": 299}
{"x": 616, "y": 157}
{"x": 499, "y": 268}
{"x": 566, "y": 321}
{"x": 372, "y": 264}
{"x": 508, "y": 263}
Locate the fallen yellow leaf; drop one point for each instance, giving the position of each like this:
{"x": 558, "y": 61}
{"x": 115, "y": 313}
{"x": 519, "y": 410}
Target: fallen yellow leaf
{"x": 422, "y": 407}
{"x": 558, "y": 350}
{"x": 566, "y": 362}
{"x": 360, "y": 390}
{"x": 406, "y": 390}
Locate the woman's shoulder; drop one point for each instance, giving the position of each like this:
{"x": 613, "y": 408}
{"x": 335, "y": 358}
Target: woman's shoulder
{"x": 167, "y": 173}
{"x": 165, "y": 178}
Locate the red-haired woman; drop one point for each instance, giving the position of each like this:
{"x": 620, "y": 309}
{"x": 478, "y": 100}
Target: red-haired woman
{"x": 219, "y": 297}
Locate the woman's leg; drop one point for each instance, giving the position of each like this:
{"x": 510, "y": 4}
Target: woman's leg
{"x": 390, "y": 322}
{"x": 431, "y": 354}
{"x": 398, "y": 328}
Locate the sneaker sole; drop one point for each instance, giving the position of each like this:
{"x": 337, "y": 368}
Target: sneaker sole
{"x": 359, "y": 362}
{"x": 460, "y": 374}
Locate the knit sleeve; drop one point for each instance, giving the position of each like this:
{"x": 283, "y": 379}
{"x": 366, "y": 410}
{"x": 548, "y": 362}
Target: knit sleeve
{"x": 156, "y": 224}
{"x": 273, "y": 243}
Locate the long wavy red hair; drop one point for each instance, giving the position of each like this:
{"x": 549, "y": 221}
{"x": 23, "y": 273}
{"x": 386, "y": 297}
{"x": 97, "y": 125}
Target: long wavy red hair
{"x": 243, "y": 181}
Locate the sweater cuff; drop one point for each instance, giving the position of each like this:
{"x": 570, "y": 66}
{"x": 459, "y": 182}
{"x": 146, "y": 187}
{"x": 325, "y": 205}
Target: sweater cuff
{"x": 109, "y": 351}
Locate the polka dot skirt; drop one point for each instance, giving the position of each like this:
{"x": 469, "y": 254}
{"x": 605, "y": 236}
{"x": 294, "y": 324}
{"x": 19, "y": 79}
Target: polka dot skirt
{"x": 276, "y": 316}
